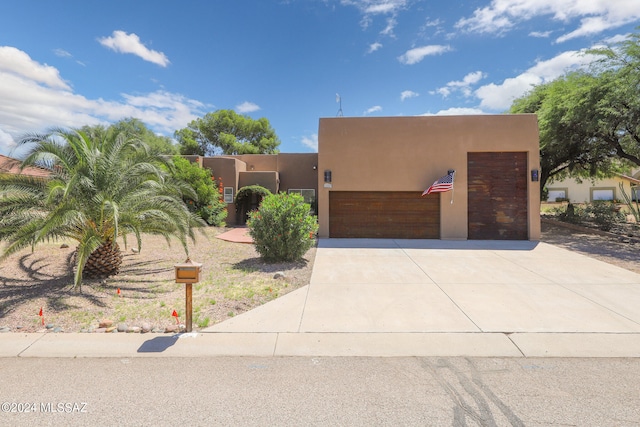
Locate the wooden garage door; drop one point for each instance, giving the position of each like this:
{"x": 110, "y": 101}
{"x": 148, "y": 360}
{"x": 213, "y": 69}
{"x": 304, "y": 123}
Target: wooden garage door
{"x": 384, "y": 214}
{"x": 497, "y": 196}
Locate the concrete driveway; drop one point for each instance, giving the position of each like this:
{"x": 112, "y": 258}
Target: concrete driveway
{"x": 433, "y": 297}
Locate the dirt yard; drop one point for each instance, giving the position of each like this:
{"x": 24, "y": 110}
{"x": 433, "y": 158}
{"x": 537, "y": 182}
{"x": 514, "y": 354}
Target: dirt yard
{"x": 234, "y": 280}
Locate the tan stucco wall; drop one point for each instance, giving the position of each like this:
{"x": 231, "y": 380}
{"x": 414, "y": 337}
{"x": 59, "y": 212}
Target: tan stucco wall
{"x": 297, "y": 171}
{"x": 259, "y": 162}
{"x": 410, "y": 153}
{"x": 268, "y": 180}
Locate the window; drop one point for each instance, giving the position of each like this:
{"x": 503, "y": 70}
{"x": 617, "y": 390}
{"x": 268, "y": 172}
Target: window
{"x": 602, "y": 194}
{"x": 557, "y": 194}
{"x": 228, "y": 194}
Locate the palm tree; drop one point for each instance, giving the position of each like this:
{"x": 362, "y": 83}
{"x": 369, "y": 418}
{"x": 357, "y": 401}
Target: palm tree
{"x": 102, "y": 187}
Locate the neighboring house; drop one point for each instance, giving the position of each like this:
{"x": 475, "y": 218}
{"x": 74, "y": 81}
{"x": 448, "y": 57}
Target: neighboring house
{"x": 9, "y": 165}
{"x": 587, "y": 190}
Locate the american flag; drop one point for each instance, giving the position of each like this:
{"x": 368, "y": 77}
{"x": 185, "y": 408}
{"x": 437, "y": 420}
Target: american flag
{"x": 441, "y": 185}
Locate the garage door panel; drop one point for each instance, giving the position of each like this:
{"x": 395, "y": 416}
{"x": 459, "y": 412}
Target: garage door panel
{"x": 381, "y": 214}
{"x": 497, "y": 196}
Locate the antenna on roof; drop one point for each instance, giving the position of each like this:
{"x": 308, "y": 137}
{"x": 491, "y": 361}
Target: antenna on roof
{"x": 339, "y": 101}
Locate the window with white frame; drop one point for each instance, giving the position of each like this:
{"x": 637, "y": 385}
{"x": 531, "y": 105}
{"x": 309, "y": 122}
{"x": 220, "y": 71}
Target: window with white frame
{"x": 228, "y": 194}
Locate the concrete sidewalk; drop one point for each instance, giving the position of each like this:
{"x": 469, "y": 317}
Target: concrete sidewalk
{"x": 381, "y": 298}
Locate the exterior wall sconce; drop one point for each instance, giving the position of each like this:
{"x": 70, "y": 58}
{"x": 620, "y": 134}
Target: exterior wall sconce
{"x": 535, "y": 175}
{"x": 327, "y": 176}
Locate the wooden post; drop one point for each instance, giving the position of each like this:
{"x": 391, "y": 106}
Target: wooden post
{"x": 189, "y": 306}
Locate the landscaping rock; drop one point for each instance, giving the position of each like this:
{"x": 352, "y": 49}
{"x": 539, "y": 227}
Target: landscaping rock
{"x": 279, "y": 275}
{"x": 133, "y": 329}
{"x": 173, "y": 329}
{"x": 106, "y": 323}
{"x": 50, "y": 326}
{"x": 57, "y": 329}
{"x": 111, "y": 329}
{"x": 157, "y": 330}
{"x": 122, "y": 327}
{"x": 101, "y": 330}
{"x": 135, "y": 250}
{"x": 64, "y": 246}
{"x": 5, "y": 329}
{"x": 146, "y": 327}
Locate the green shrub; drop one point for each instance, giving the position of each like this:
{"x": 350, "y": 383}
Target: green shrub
{"x": 283, "y": 228}
{"x": 209, "y": 203}
{"x": 571, "y": 213}
{"x": 605, "y": 214}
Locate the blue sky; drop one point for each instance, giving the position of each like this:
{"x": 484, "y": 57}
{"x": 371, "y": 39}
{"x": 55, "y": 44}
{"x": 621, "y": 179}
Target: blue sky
{"x": 80, "y": 62}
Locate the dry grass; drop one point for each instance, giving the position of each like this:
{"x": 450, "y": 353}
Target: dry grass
{"x": 234, "y": 280}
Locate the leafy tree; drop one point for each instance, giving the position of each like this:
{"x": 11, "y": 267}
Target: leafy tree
{"x": 136, "y": 129}
{"x": 618, "y": 72}
{"x": 226, "y": 132}
{"x": 565, "y": 110}
{"x": 100, "y": 189}
{"x": 208, "y": 204}
{"x": 590, "y": 120}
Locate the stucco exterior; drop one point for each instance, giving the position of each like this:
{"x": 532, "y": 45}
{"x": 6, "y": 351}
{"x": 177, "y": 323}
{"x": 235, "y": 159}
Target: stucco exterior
{"x": 410, "y": 153}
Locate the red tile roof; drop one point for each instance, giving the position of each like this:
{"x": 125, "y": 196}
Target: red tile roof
{"x": 12, "y": 166}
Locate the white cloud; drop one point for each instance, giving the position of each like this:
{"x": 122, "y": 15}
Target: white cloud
{"x": 595, "y": 15}
{"x": 500, "y": 96}
{"x": 391, "y": 25}
{"x": 372, "y": 8}
{"x": 374, "y": 46}
{"x": 406, "y": 94}
{"x": 456, "y": 111}
{"x": 311, "y": 141}
{"x": 7, "y": 144}
{"x": 415, "y": 55}
{"x": 540, "y": 34}
{"x": 62, "y": 53}
{"x": 373, "y": 109}
{"x": 36, "y": 98}
{"x": 247, "y": 107}
{"x": 17, "y": 63}
{"x": 130, "y": 43}
{"x": 463, "y": 85}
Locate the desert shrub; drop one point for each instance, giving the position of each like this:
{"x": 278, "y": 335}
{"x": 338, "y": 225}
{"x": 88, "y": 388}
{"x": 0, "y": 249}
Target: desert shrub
{"x": 283, "y": 229}
{"x": 605, "y": 214}
{"x": 208, "y": 204}
{"x": 571, "y": 213}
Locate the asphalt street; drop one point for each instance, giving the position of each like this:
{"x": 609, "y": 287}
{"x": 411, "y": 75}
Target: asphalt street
{"x": 322, "y": 391}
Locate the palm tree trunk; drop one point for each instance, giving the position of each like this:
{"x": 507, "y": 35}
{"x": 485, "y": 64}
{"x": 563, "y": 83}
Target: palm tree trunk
{"x": 104, "y": 261}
